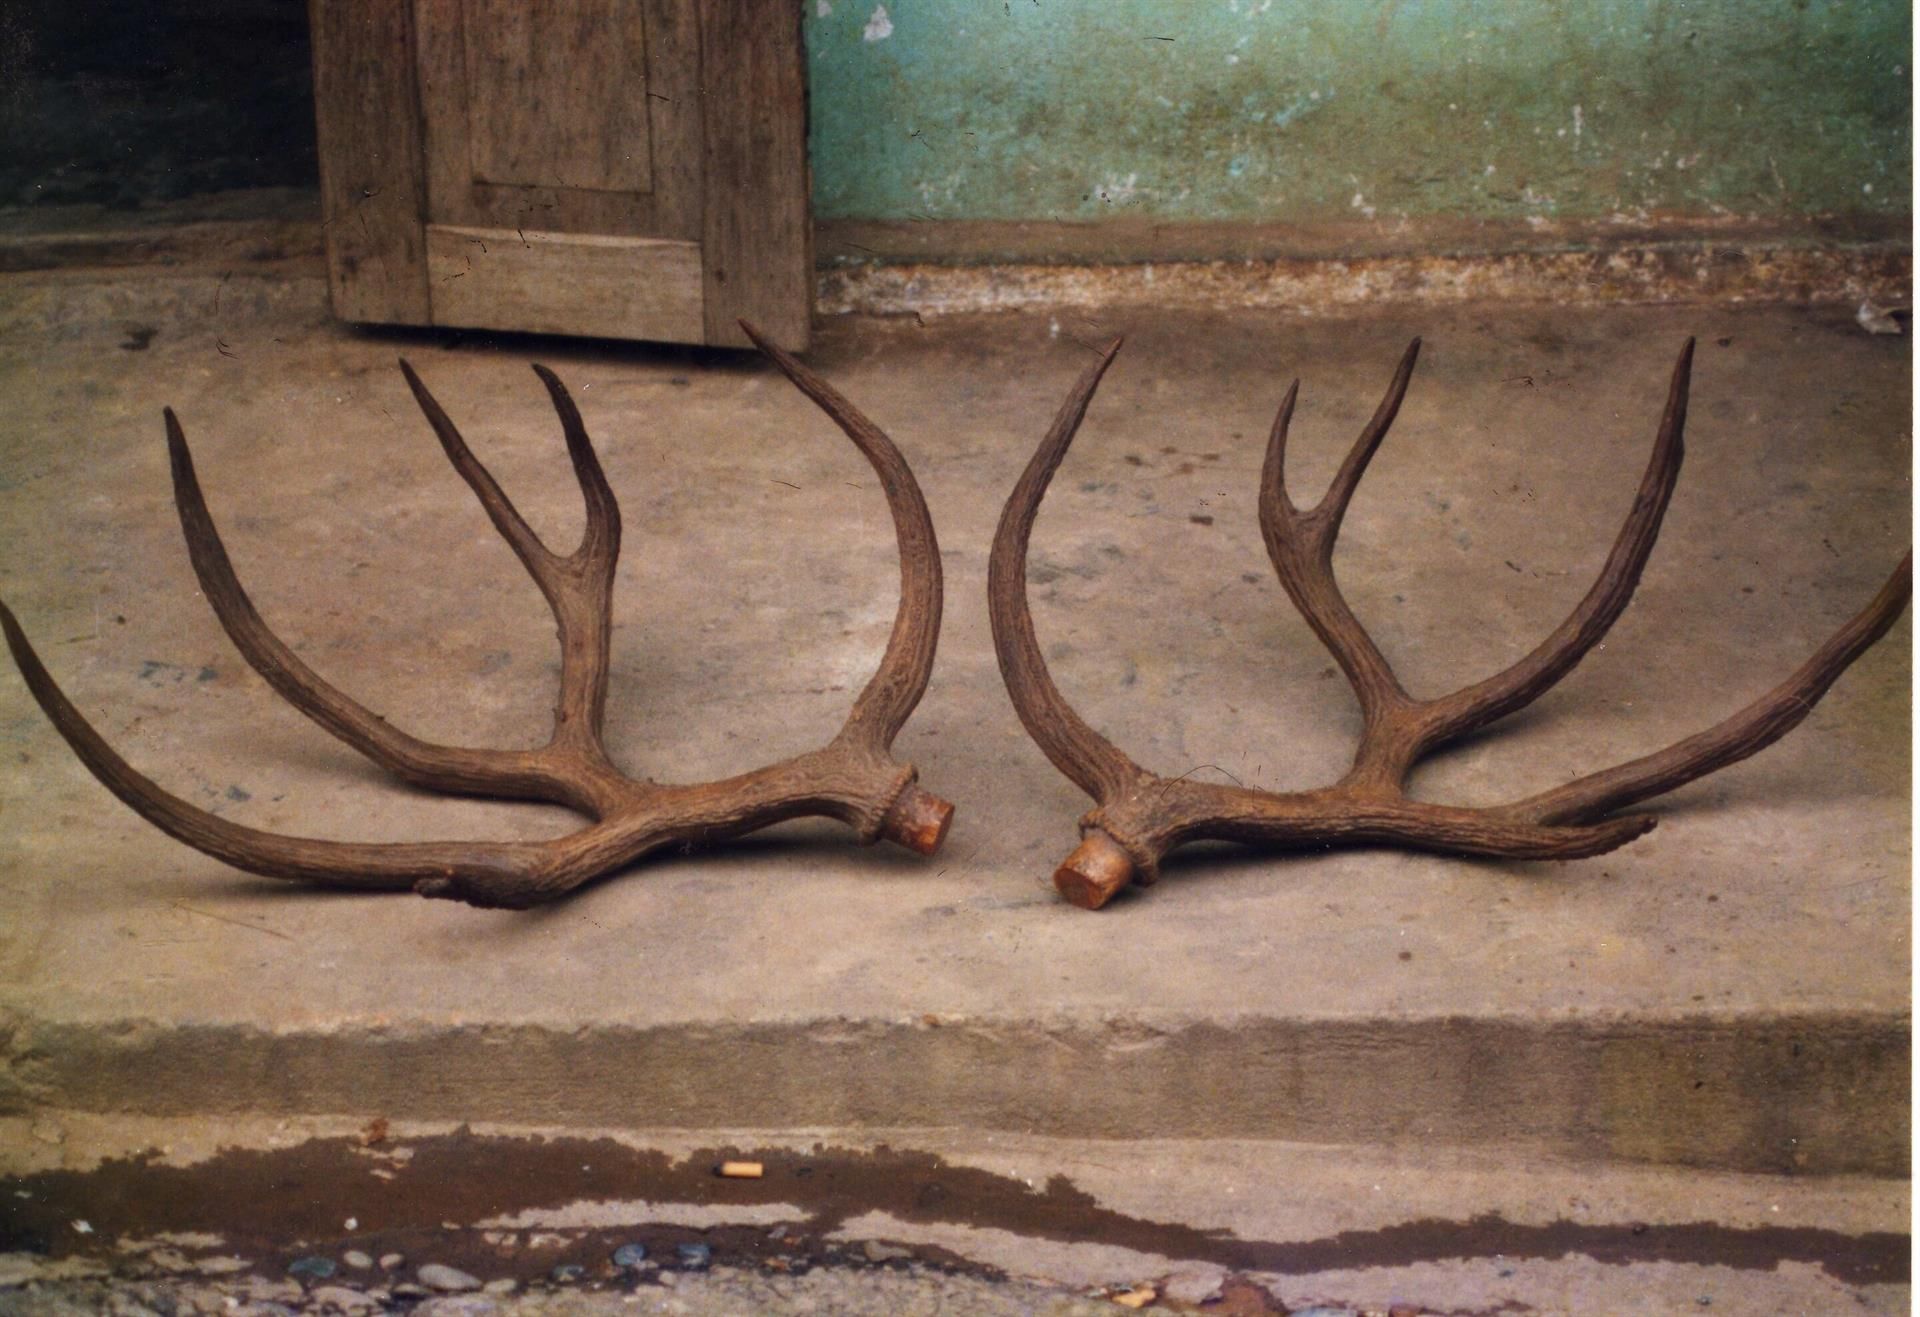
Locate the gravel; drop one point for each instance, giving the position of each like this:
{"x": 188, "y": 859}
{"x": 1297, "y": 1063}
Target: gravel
{"x": 720, "y": 1292}
{"x": 448, "y": 1280}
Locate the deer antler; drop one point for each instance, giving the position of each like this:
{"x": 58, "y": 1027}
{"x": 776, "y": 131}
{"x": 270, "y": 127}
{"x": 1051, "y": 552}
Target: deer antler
{"x": 853, "y": 778}
{"x": 1139, "y": 816}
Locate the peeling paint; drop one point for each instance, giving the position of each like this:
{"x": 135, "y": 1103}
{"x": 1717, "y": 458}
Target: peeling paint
{"x": 1778, "y": 108}
{"x": 1298, "y": 106}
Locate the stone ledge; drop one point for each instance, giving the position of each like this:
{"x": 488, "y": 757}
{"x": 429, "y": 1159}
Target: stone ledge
{"x": 1805, "y": 1094}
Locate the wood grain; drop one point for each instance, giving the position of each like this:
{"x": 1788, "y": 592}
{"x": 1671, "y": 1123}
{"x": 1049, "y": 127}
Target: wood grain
{"x": 372, "y": 164}
{"x": 757, "y": 239}
{"x": 470, "y": 183}
{"x": 542, "y": 146}
{"x": 565, "y": 283}
{"x": 557, "y": 94}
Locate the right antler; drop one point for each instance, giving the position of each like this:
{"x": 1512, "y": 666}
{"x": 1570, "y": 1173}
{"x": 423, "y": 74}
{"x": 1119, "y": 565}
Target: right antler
{"x": 853, "y": 778}
{"x": 1139, "y": 816}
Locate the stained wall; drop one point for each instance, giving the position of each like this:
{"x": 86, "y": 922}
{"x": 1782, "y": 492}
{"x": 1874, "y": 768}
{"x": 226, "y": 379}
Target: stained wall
{"x": 1359, "y": 110}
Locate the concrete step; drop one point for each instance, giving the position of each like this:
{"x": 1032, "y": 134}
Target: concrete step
{"x": 1729, "y": 993}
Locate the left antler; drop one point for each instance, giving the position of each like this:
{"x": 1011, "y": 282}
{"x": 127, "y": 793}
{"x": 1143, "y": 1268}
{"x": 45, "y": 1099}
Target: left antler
{"x": 1139, "y": 816}
{"x": 854, "y": 778}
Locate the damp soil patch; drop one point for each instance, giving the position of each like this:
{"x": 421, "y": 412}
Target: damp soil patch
{"x": 497, "y": 1207}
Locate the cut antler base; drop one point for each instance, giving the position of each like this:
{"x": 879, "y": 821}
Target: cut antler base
{"x": 853, "y": 779}
{"x": 1140, "y": 816}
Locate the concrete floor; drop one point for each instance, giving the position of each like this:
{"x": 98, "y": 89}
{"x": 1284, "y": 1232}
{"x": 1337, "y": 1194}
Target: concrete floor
{"x": 1730, "y": 993}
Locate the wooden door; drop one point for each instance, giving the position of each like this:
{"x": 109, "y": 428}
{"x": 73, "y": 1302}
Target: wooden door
{"x": 622, "y": 168}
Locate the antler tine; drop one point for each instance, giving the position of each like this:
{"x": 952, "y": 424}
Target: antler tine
{"x": 378, "y": 866}
{"x": 601, "y": 538}
{"x": 1332, "y": 508}
{"x": 578, "y": 588}
{"x": 1474, "y": 706}
{"x": 918, "y": 819}
{"x": 1300, "y": 544}
{"x": 1746, "y": 733}
{"x": 1273, "y": 471}
{"x": 896, "y": 687}
{"x": 515, "y": 773}
{"x": 1094, "y": 763}
{"x": 506, "y": 518}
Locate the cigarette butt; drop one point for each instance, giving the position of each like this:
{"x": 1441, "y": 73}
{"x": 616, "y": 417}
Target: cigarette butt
{"x": 742, "y": 1170}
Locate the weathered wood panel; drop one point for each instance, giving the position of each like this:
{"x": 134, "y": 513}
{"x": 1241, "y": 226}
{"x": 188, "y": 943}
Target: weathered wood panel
{"x": 677, "y": 117}
{"x": 499, "y": 161}
{"x": 465, "y": 176}
{"x": 757, "y": 242}
{"x": 372, "y": 168}
{"x": 565, "y": 283}
{"x": 557, "y": 94}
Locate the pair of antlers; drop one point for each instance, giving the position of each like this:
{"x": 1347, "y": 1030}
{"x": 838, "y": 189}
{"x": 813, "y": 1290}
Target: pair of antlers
{"x": 1138, "y": 817}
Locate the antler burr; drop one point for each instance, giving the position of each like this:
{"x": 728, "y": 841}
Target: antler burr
{"x": 1139, "y": 816}
{"x": 853, "y": 778}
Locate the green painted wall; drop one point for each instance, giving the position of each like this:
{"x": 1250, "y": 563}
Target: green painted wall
{"x": 1319, "y": 110}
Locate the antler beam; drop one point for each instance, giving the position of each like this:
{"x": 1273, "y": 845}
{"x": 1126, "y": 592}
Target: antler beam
{"x": 1139, "y": 816}
{"x": 854, "y": 778}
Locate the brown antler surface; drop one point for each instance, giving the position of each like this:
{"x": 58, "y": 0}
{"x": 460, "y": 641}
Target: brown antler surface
{"x": 1139, "y": 817}
{"x": 853, "y": 778}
